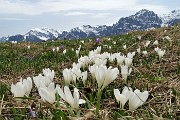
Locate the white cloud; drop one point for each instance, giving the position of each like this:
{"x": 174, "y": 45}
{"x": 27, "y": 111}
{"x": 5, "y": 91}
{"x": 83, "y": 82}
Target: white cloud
{"x": 101, "y": 15}
{"x": 156, "y": 8}
{"x": 55, "y": 6}
{"x": 76, "y": 13}
{"x": 13, "y": 19}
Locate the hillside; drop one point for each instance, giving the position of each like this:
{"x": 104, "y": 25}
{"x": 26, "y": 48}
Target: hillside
{"x": 159, "y": 76}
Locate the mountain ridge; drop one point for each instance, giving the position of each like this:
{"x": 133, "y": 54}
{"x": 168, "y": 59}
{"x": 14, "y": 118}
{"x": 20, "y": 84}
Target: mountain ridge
{"x": 141, "y": 20}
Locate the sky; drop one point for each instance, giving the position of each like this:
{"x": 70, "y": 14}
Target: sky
{"x": 20, "y": 16}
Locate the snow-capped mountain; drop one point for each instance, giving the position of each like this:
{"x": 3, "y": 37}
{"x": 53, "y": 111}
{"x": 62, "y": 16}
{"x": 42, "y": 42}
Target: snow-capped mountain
{"x": 39, "y": 34}
{"x": 171, "y": 18}
{"x": 36, "y": 35}
{"x": 142, "y": 20}
{"x": 85, "y": 31}
{"x": 4, "y": 39}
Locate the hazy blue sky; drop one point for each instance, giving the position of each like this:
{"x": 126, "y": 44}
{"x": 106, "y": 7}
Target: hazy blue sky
{"x": 19, "y": 16}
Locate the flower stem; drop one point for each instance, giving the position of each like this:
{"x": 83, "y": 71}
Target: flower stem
{"x": 99, "y": 94}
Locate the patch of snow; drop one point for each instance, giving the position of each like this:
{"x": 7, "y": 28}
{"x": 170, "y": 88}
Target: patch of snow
{"x": 175, "y": 14}
{"x": 88, "y": 29}
{"x": 43, "y": 38}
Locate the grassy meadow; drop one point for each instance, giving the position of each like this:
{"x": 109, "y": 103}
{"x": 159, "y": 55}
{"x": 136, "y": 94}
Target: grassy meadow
{"x": 160, "y": 77}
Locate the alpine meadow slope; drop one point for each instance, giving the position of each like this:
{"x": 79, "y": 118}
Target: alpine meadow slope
{"x": 130, "y": 76}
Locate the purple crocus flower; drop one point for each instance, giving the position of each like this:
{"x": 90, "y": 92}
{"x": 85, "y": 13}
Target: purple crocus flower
{"x": 62, "y": 46}
{"x": 32, "y": 113}
{"x": 97, "y": 40}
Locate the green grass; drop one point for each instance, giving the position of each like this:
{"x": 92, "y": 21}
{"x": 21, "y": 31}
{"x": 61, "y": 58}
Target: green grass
{"x": 160, "y": 77}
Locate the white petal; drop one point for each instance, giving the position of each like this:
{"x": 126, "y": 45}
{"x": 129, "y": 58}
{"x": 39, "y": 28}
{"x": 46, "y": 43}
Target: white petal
{"x": 13, "y": 89}
{"x": 137, "y": 99}
{"x": 76, "y": 98}
{"x": 81, "y": 101}
{"x": 20, "y": 90}
{"x": 145, "y": 96}
{"x": 120, "y": 97}
{"x": 130, "y": 69}
{"x": 28, "y": 85}
{"x": 117, "y": 94}
{"x": 123, "y": 100}
{"x": 134, "y": 102}
{"x": 127, "y": 92}
{"x": 51, "y": 87}
{"x": 61, "y": 93}
{"x": 68, "y": 95}
{"x": 45, "y": 94}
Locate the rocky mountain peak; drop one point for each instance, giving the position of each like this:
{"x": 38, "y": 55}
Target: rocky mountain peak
{"x": 142, "y": 20}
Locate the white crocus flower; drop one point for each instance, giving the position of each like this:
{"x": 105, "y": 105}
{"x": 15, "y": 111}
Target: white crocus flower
{"x": 156, "y": 49}
{"x": 99, "y": 61}
{"x": 110, "y": 76}
{"x": 117, "y": 54}
{"x": 137, "y": 99}
{"x": 145, "y": 52}
{"x": 147, "y": 43}
{"x": 66, "y": 95}
{"x": 131, "y": 55}
{"x": 28, "y": 85}
{"x": 109, "y": 47}
{"x": 139, "y": 50}
{"x": 128, "y": 61}
{"x": 124, "y": 46}
{"x": 120, "y": 97}
{"x": 48, "y": 93}
{"x": 125, "y": 71}
{"x": 139, "y": 37}
{"x": 76, "y": 74}
{"x": 77, "y": 53}
{"x": 168, "y": 38}
{"x": 41, "y": 81}
{"x": 64, "y": 51}
{"x": 14, "y": 42}
{"x": 112, "y": 58}
{"x": 49, "y": 73}
{"x": 105, "y": 55}
{"x": 82, "y": 41}
{"x": 120, "y": 60}
{"x": 84, "y": 61}
{"x": 57, "y": 49}
{"x": 84, "y": 77}
{"x": 19, "y": 89}
{"x": 53, "y": 49}
{"x": 98, "y": 50}
{"x": 77, "y": 65}
{"x": 161, "y": 53}
{"x": 105, "y": 76}
{"x": 92, "y": 70}
{"x": 28, "y": 47}
{"x": 79, "y": 48}
{"x": 100, "y": 75}
{"x": 127, "y": 91}
{"x": 67, "y": 74}
{"x": 156, "y": 42}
